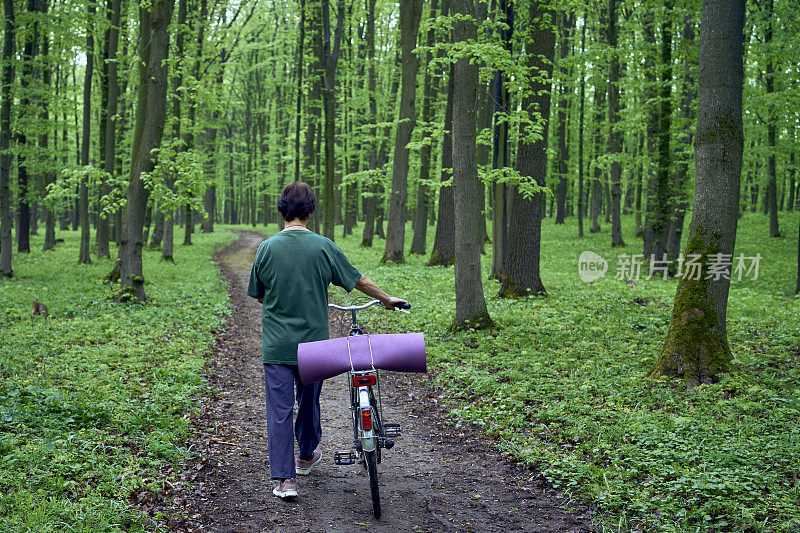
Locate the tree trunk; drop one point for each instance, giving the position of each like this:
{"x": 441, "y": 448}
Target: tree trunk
{"x": 110, "y": 125}
{"x": 49, "y": 175}
{"x": 470, "y": 303}
{"x": 6, "y": 99}
{"x": 769, "y": 78}
{"x": 797, "y": 290}
{"x": 410, "y": 12}
{"x": 371, "y": 202}
{"x": 150, "y": 117}
{"x": 696, "y": 347}
{"x": 418, "y": 243}
{"x": 444, "y": 245}
{"x": 500, "y": 157}
{"x": 682, "y": 171}
{"x": 83, "y": 215}
{"x": 614, "y": 135}
{"x": 792, "y": 170}
{"x": 568, "y": 21}
{"x": 639, "y": 174}
{"x": 656, "y": 223}
{"x": 328, "y": 60}
{"x": 582, "y": 98}
{"x": 525, "y": 230}
{"x": 168, "y": 239}
{"x": 298, "y": 104}
{"x": 596, "y": 205}
{"x": 23, "y": 201}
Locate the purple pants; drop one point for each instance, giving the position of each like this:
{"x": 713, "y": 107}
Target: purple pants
{"x": 280, "y": 382}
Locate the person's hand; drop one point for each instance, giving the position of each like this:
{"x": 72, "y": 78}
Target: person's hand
{"x": 391, "y": 302}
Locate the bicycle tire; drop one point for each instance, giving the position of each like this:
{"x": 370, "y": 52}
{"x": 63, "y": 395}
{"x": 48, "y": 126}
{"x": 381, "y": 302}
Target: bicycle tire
{"x": 372, "y": 472}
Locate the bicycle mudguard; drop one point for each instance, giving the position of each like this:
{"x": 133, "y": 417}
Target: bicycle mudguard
{"x": 400, "y": 352}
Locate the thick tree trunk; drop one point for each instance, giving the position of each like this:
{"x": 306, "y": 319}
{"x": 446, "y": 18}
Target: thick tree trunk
{"x": 614, "y": 135}
{"x": 444, "y": 245}
{"x": 522, "y": 275}
{"x": 410, "y": 12}
{"x": 470, "y": 303}
{"x": 150, "y": 117}
{"x": 83, "y": 215}
{"x": 696, "y": 347}
{"x": 6, "y": 99}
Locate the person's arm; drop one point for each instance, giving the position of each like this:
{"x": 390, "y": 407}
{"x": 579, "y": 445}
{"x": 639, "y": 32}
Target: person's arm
{"x": 371, "y": 289}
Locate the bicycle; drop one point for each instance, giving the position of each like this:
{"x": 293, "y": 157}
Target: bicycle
{"x": 370, "y": 433}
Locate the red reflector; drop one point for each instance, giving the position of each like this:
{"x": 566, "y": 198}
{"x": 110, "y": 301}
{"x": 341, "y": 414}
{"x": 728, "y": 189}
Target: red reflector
{"x": 366, "y": 419}
{"x": 360, "y": 381}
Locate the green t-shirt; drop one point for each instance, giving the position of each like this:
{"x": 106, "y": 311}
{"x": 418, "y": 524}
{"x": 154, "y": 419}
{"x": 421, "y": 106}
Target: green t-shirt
{"x": 292, "y": 271}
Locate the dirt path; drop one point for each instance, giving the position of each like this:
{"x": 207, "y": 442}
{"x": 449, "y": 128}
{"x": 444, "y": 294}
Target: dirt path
{"x": 436, "y": 478}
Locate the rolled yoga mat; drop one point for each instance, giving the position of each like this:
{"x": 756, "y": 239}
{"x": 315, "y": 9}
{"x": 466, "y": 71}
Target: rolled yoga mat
{"x": 403, "y": 352}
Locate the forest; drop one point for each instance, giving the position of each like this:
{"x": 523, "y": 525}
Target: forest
{"x": 592, "y": 205}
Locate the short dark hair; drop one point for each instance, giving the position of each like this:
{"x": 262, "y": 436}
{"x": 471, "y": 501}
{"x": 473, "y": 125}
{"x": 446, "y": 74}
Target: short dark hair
{"x": 297, "y": 200}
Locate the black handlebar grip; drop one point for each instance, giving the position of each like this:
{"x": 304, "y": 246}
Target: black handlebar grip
{"x": 403, "y": 306}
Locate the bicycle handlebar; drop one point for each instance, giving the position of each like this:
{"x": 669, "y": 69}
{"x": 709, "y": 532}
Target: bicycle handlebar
{"x": 367, "y": 305}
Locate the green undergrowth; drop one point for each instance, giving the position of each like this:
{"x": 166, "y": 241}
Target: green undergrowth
{"x": 561, "y": 382}
{"x": 94, "y": 401}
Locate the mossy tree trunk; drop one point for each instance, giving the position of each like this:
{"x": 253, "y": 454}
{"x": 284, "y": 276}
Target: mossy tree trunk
{"x": 521, "y": 276}
{"x": 470, "y": 303}
{"x": 696, "y": 348}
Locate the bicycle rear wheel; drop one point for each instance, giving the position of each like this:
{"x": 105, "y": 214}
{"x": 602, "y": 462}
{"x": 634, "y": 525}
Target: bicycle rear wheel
{"x": 370, "y": 458}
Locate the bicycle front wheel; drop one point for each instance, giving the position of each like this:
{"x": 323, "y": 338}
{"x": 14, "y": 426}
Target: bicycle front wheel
{"x": 370, "y": 458}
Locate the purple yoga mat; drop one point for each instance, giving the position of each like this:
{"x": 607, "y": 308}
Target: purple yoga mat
{"x": 404, "y": 352}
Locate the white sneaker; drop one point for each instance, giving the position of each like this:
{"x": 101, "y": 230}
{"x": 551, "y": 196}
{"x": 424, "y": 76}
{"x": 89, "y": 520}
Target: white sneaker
{"x": 303, "y": 466}
{"x": 285, "y": 488}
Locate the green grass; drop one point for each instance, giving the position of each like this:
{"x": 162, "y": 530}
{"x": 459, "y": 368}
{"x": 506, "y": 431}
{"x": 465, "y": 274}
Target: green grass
{"x": 95, "y": 401}
{"x": 561, "y": 383}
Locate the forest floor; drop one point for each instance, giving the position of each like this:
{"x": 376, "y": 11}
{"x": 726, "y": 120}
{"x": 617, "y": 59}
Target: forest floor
{"x": 437, "y": 478}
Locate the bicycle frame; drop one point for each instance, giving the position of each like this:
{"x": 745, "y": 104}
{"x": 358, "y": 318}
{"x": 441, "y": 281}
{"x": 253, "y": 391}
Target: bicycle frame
{"x": 366, "y": 409}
